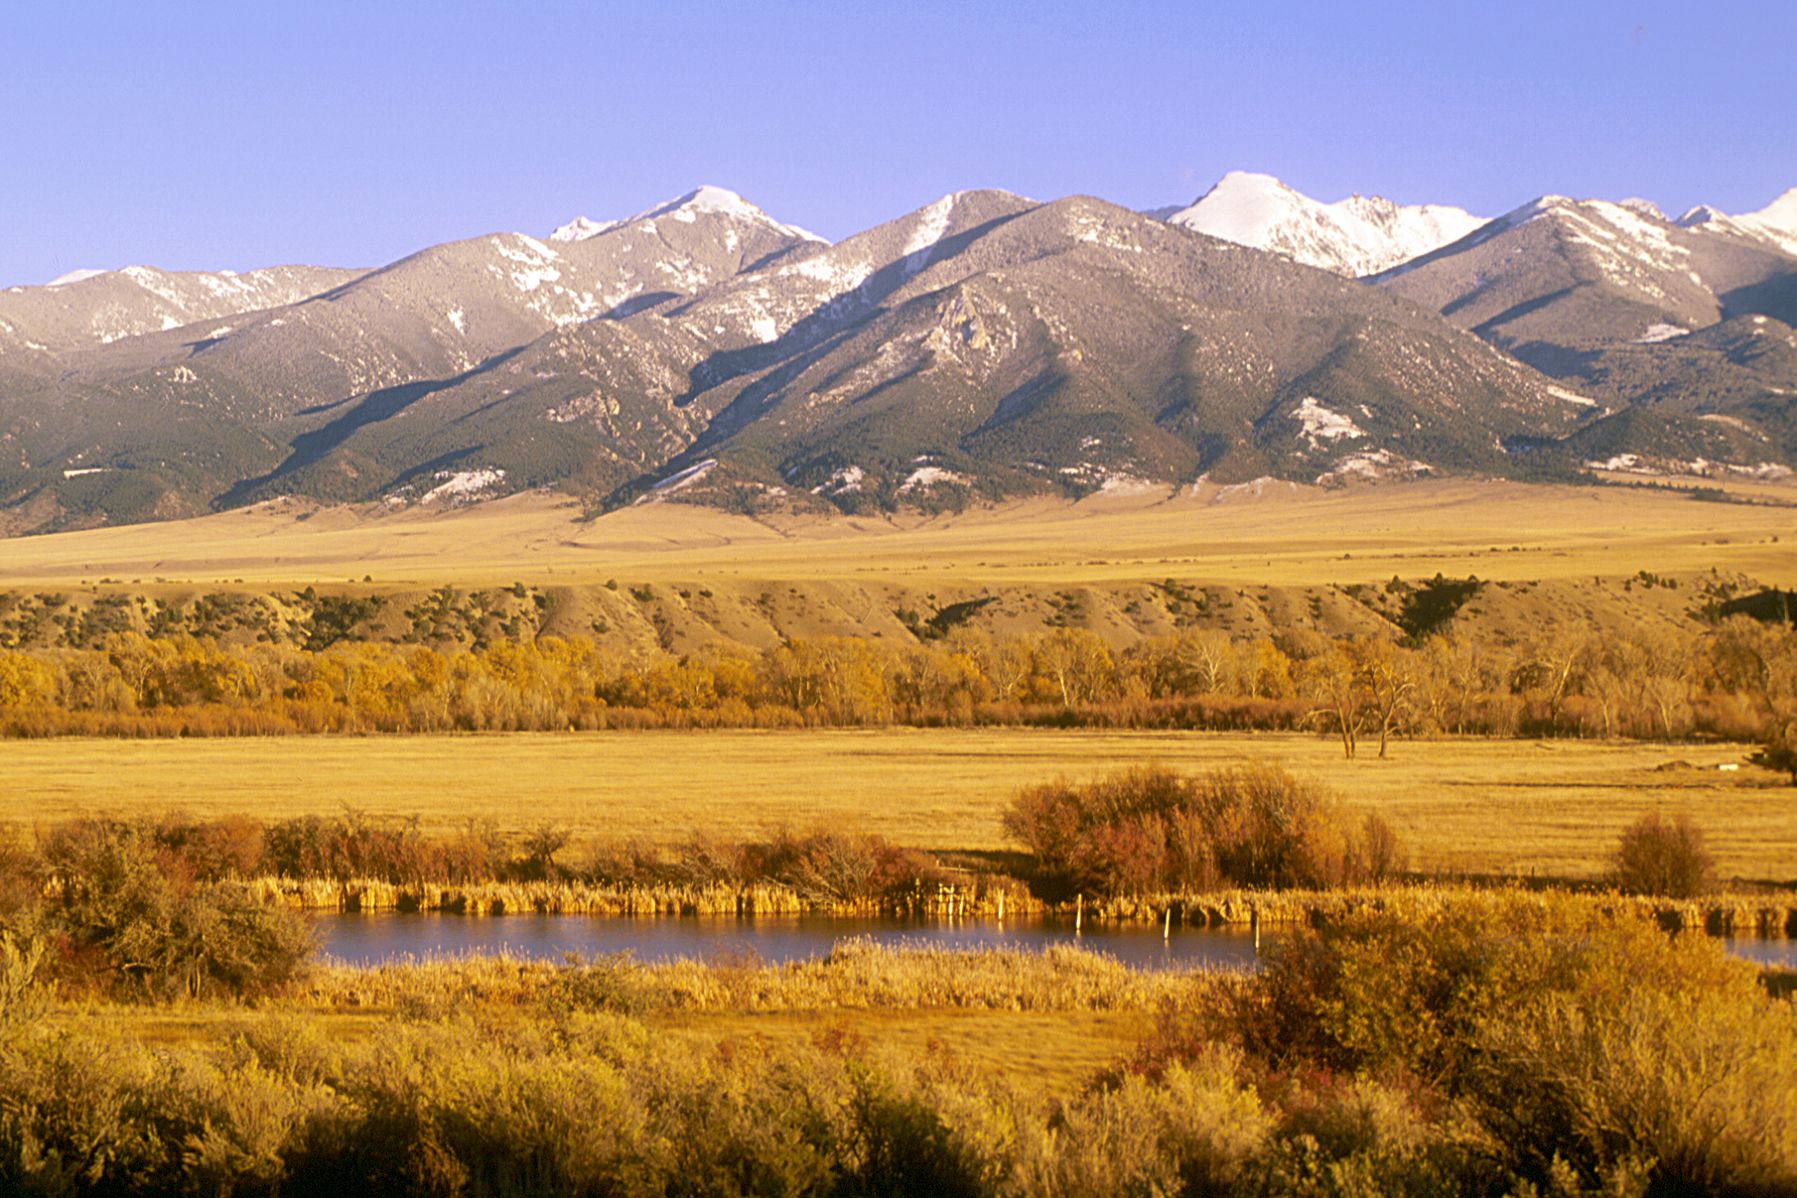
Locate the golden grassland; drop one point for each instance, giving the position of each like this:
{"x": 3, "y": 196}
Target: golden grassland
{"x": 1476, "y": 806}
{"x": 1269, "y": 533}
{"x": 1048, "y": 1022}
{"x": 1055, "y": 1051}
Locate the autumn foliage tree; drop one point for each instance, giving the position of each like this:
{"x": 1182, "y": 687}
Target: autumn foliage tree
{"x": 1737, "y": 681}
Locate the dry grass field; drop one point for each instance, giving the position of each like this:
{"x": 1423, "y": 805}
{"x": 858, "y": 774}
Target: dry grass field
{"x": 1507, "y": 807}
{"x": 1479, "y": 806}
{"x": 1053, "y": 1052}
{"x": 1272, "y": 534}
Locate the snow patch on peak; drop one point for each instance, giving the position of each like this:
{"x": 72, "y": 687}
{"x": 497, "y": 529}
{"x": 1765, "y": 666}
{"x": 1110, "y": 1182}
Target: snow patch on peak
{"x": 703, "y": 200}
{"x": 719, "y": 201}
{"x": 581, "y": 228}
{"x": 1361, "y": 235}
{"x": 932, "y": 224}
{"x": 1243, "y": 194}
{"x": 75, "y": 276}
{"x": 1776, "y": 222}
{"x": 1781, "y": 212}
{"x": 1704, "y": 215}
{"x": 1540, "y": 206}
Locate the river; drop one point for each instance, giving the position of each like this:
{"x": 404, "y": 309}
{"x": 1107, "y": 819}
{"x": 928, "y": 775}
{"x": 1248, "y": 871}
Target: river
{"x": 376, "y": 938}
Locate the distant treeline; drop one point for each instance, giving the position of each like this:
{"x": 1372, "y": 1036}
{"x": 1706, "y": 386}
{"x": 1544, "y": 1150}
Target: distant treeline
{"x": 1737, "y": 680}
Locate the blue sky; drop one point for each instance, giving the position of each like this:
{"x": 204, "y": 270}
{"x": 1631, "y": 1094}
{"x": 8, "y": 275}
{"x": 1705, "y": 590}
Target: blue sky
{"x": 200, "y": 135}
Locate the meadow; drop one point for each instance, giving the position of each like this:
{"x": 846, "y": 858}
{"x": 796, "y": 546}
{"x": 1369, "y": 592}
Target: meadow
{"x": 1504, "y": 807}
{"x": 1265, "y": 533}
{"x": 1530, "y": 1043}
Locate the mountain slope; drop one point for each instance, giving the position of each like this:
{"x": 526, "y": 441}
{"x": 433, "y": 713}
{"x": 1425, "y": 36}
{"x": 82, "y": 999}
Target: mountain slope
{"x": 224, "y": 414}
{"x": 1776, "y": 223}
{"x": 987, "y": 344}
{"x": 1361, "y": 235}
{"x": 86, "y": 308}
{"x": 982, "y": 346}
{"x": 1664, "y": 324}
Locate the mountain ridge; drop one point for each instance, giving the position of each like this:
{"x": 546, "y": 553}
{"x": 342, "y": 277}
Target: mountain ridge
{"x": 982, "y": 346}
{"x": 1359, "y": 235}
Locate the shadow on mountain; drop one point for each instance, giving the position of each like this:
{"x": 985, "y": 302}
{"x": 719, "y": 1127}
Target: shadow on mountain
{"x": 641, "y": 303}
{"x": 1775, "y": 297}
{"x": 308, "y": 449}
{"x": 1558, "y": 361}
{"x": 828, "y": 322}
{"x": 769, "y": 258}
{"x": 1489, "y": 328}
{"x": 1023, "y": 400}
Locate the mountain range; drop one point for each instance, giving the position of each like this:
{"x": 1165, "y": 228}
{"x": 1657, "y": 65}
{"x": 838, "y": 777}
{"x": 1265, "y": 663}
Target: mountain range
{"x": 983, "y": 346}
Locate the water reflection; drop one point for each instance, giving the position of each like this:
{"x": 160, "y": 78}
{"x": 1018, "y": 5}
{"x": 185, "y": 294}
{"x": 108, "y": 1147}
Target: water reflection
{"x": 372, "y": 939}
{"x": 1781, "y": 953}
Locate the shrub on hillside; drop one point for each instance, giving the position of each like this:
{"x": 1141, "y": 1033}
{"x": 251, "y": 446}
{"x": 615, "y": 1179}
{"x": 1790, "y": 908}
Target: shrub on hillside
{"x": 1664, "y": 857}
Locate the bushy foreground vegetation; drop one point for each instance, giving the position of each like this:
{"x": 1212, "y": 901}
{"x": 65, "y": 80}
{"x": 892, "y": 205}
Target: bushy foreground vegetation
{"x": 1737, "y": 680}
{"x": 1154, "y": 831}
{"x": 1508, "y": 1045}
{"x": 119, "y": 908}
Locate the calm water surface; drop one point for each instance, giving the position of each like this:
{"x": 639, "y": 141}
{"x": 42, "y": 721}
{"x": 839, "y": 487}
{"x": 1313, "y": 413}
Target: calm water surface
{"x": 372, "y": 939}
{"x": 1782, "y": 953}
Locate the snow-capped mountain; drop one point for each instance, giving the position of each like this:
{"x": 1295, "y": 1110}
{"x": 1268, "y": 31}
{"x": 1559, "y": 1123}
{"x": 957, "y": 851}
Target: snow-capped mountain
{"x": 1677, "y": 332}
{"x": 1775, "y": 223}
{"x": 98, "y": 307}
{"x": 1361, "y": 235}
{"x": 983, "y": 345}
{"x": 705, "y": 200}
{"x": 1559, "y": 275}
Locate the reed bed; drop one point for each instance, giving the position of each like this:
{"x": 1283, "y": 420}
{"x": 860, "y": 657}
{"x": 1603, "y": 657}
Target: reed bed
{"x": 996, "y": 896}
{"x": 1770, "y": 914}
{"x": 857, "y": 974}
